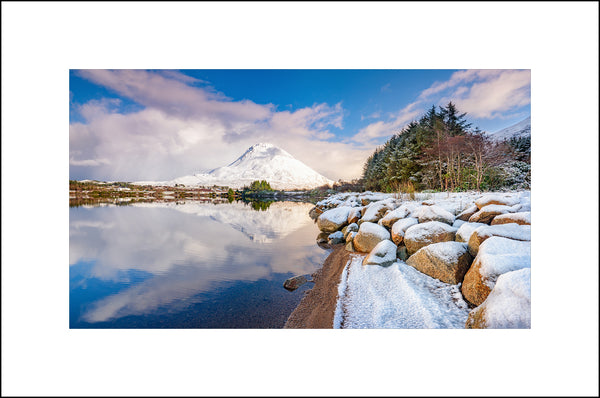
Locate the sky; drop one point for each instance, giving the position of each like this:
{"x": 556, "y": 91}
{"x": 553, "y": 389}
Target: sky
{"x": 141, "y": 125}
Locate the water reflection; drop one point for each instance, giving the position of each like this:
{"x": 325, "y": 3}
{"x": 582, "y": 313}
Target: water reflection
{"x": 161, "y": 257}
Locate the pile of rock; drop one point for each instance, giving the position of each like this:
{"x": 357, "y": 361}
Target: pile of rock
{"x": 478, "y": 246}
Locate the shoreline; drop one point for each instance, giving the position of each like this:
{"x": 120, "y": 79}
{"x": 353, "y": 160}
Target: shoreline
{"x": 317, "y": 307}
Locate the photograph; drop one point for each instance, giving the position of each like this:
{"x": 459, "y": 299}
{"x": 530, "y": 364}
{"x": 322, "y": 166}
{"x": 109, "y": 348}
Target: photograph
{"x": 300, "y": 198}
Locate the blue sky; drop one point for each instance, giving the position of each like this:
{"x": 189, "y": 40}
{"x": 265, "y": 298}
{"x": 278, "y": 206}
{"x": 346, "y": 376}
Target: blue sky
{"x": 160, "y": 124}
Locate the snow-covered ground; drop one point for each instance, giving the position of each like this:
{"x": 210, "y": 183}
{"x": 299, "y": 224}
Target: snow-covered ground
{"x": 397, "y": 296}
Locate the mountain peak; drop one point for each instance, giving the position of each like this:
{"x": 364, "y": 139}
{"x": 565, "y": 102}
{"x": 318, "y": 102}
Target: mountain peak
{"x": 262, "y": 161}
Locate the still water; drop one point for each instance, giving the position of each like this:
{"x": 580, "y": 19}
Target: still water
{"x": 189, "y": 265}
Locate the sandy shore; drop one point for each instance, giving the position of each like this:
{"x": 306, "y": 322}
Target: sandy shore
{"x": 317, "y": 307}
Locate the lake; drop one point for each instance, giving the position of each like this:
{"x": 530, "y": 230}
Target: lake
{"x": 189, "y": 264}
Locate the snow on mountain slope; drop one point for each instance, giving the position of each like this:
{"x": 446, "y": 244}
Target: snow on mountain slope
{"x": 260, "y": 162}
{"x": 521, "y": 129}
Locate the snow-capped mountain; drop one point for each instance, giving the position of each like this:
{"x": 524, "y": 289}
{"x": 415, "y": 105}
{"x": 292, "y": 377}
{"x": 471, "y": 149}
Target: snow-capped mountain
{"x": 521, "y": 129}
{"x": 260, "y": 162}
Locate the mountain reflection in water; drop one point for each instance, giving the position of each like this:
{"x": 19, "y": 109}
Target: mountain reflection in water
{"x": 188, "y": 264}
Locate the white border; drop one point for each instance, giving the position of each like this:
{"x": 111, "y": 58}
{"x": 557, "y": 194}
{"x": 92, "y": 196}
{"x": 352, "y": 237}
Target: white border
{"x": 41, "y": 41}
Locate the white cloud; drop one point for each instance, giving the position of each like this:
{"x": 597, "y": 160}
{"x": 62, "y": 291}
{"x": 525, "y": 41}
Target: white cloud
{"x": 379, "y": 129}
{"x": 185, "y": 129}
{"x": 487, "y": 93}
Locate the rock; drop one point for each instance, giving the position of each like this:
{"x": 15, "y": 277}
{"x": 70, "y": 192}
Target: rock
{"x": 377, "y": 210}
{"x": 334, "y": 219}
{"x": 400, "y": 227}
{"x": 401, "y": 253}
{"x": 368, "y": 236}
{"x": 495, "y": 199}
{"x": 467, "y": 213}
{"x": 335, "y": 238}
{"x": 354, "y": 215}
{"x": 522, "y": 218}
{"x": 383, "y": 254}
{"x": 434, "y": 213}
{"x": 349, "y": 246}
{"x": 508, "y": 306}
{"x": 510, "y": 231}
{"x": 390, "y": 218}
{"x": 295, "y": 282}
{"x": 323, "y": 237}
{"x": 486, "y": 214}
{"x": 315, "y": 212}
{"x": 350, "y": 236}
{"x": 466, "y": 230}
{"x": 446, "y": 261}
{"x": 496, "y": 256}
{"x": 421, "y": 235}
{"x": 349, "y": 228}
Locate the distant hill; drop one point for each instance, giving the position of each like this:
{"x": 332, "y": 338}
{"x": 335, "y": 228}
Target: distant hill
{"x": 521, "y": 129}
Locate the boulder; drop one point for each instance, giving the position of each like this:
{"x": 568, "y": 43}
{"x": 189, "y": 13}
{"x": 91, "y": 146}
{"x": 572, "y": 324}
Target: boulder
{"x": 508, "y": 306}
{"x": 334, "y": 219}
{"x": 349, "y": 228}
{"x": 421, "y": 235}
{"x": 495, "y": 199}
{"x": 295, "y": 282}
{"x": 510, "y": 231}
{"x": 335, "y": 238}
{"x": 390, "y": 218}
{"x": 349, "y": 246}
{"x": 315, "y": 212}
{"x": 457, "y": 223}
{"x": 368, "y": 236}
{"x": 521, "y": 218}
{"x": 434, "y": 213}
{"x": 383, "y": 254}
{"x": 323, "y": 237}
{"x": 354, "y": 215}
{"x": 486, "y": 214}
{"x": 496, "y": 256}
{"x": 376, "y": 210}
{"x": 467, "y": 213}
{"x": 400, "y": 227}
{"x": 464, "y": 232}
{"x": 350, "y": 236}
{"x": 446, "y": 261}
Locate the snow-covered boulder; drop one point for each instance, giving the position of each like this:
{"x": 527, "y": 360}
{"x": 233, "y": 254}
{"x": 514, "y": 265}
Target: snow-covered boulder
{"x": 446, "y": 261}
{"x": 487, "y": 213}
{"x": 349, "y": 228}
{"x": 421, "y": 235}
{"x": 368, "y": 236}
{"x": 521, "y": 218}
{"x": 508, "y": 306}
{"x": 434, "y": 213}
{"x": 467, "y": 213}
{"x": 383, "y": 254}
{"x": 350, "y": 236}
{"x": 464, "y": 231}
{"x": 334, "y": 219}
{"x": 496, "y": 256}
{"x": 510, "y": 231}
{"x": 495, "y": 199}
{"x": 400, "y": 227}
{"x": 335, "y": 238}
{"x": 354, "y": 215}
{"x": 457, "y": 223}
{"x": 390, "y": 218}
{"x": 377, "y": 210}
